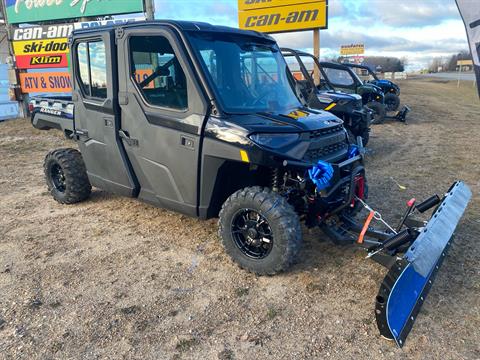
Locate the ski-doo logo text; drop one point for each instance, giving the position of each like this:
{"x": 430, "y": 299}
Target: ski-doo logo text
{"x": 31, "y": 47}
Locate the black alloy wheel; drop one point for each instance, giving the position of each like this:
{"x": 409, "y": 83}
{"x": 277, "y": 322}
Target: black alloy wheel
{"x": 58, "y": 178}
{"x": 252, "y": 233}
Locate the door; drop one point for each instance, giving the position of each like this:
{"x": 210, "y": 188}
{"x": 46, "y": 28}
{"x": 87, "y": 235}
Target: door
{"x": 162, "y": 111}
{"x": 97, "y": 115}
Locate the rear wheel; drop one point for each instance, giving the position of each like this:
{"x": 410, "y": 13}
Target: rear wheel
{"x": 260, "y": 230}
{"x": 378, "y": 112}
{"x": 66, "y": 176}
{"x": 392, "y": 102}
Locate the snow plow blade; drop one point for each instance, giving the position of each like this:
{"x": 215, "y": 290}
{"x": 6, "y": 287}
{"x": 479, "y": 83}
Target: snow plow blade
{"x": 409, "y": 279}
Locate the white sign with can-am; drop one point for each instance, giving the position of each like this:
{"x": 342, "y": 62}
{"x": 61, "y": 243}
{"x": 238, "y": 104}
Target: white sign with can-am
{"x": 63, "y": 30}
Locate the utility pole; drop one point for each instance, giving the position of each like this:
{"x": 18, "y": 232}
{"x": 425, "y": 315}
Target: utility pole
{"x": 150, "y": 9}
{"x": 316, "y": 53}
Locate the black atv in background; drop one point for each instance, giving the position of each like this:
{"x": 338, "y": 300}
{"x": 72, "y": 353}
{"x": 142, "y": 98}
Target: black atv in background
{"x": 389, "y": 88}
{"x": 323, "y": 96}
{"x": 343, "y": 78}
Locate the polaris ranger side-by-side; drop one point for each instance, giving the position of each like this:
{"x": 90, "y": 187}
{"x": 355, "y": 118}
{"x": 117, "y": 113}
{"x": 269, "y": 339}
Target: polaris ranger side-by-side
{"x": 344, "y": 79}
{"x": 389, "y": 88}
{"x": 203, "y": 120}
{"x": 348, "y": 107}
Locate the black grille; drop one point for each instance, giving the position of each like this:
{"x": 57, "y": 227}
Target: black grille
{"x": 327, "y": 144}
{"x": 322, "y": 132}
{"x": 326, "y": 153}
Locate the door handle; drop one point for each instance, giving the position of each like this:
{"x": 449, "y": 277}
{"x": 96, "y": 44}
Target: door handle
{"x": 126, "y": 136}
{"x": 80, "y": 133}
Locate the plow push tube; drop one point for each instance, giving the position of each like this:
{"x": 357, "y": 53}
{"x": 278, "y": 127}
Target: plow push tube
{"x": 409, "y": 279}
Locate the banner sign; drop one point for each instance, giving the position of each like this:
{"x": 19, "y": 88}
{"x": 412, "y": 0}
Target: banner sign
{"x": 45, "y": 82}
{"x": 353, "y": 49}
{"x": 470, "y": 12}
{"x": 63, "y": 30}
{"x": 274, "y": 16}
{"x": 41, "y": 61}
{"x": 29, "y": 47}
{"x": 31, "y": 11}
{"x": 261, "y": 4}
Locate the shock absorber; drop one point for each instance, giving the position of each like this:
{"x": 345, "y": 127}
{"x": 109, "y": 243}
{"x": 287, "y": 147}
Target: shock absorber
{"x": 275, "y": 179}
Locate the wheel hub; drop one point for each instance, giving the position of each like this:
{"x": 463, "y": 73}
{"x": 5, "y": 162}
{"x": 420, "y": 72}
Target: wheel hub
{"x": 252, "y": 233}
{"x": 58, "y": 177}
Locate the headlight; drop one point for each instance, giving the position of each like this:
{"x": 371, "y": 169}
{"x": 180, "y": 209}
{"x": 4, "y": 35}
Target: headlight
{"x": 274, "y": 141}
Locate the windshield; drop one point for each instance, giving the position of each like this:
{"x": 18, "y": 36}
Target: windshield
{"x": 248, "y": 75}
{"x": 365, "y": 74}
{"x": 340, "y": 77}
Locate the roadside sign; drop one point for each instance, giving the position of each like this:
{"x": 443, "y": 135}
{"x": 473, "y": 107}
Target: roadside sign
{"x": 352, "y": 49}
{"x": 274, "y": 16}
{"x": 41, "y": 61}
{"x": 36, "y": 47}
{"x": 42, "y": 32}
{"x": 63, "y": 30}
{"x": 465, "y": 63}
{"x": 31, "y": 11}
{"x": 41, "y": 82}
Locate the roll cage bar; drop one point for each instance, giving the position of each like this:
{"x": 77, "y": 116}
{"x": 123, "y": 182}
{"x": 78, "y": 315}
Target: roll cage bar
{"x": 287, "y": 52}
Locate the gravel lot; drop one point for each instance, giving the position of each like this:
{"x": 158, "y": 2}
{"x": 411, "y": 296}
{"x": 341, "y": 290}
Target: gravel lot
{"x": 112, "y": 278}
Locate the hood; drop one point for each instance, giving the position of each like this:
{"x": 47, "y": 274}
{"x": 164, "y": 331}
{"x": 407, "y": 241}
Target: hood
{"x": 337, "y": 96}
{"x": 296, "y": 120}
{"x": 383, "y": 82}
{"x": 373, "y": 88}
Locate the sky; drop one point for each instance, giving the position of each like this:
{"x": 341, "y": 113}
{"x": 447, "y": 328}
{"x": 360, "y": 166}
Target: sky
{"x": 415, "y": 29}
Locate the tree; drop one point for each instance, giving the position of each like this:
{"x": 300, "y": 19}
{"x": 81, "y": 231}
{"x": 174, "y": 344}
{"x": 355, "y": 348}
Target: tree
{"x": 436, "y": 64}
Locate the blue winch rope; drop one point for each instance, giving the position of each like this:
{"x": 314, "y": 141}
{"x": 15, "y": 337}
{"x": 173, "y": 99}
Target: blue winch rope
{"x": 321, "y": 174}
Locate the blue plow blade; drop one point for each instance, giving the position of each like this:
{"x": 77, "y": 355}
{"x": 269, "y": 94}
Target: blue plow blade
{"x": 408, "y": 281}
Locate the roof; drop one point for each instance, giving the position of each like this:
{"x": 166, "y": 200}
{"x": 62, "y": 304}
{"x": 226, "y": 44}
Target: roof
{"x": 178, "y": 25}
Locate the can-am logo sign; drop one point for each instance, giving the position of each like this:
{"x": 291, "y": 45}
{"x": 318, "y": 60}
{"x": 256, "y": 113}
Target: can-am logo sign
{"x": 30, "y": 11}
{"x": 273, "y": 16}
{"x": 64, "y": 30}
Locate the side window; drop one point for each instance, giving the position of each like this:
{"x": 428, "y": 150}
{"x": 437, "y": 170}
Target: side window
{"x": 92, "y": 66}
{"x": 210, "y": 59}
{"x": 82, "y": 56}
{"x": 339, "y": 77}
{"x": 157, "y": 72}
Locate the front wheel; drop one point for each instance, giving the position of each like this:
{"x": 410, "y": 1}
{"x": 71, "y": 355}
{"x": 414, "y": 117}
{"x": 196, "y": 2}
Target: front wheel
{"x": 378, "y": 112}
{"x": 66, "y": 176}
{"x": 392, "y": 102}
{"x": 260, "y": 230}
